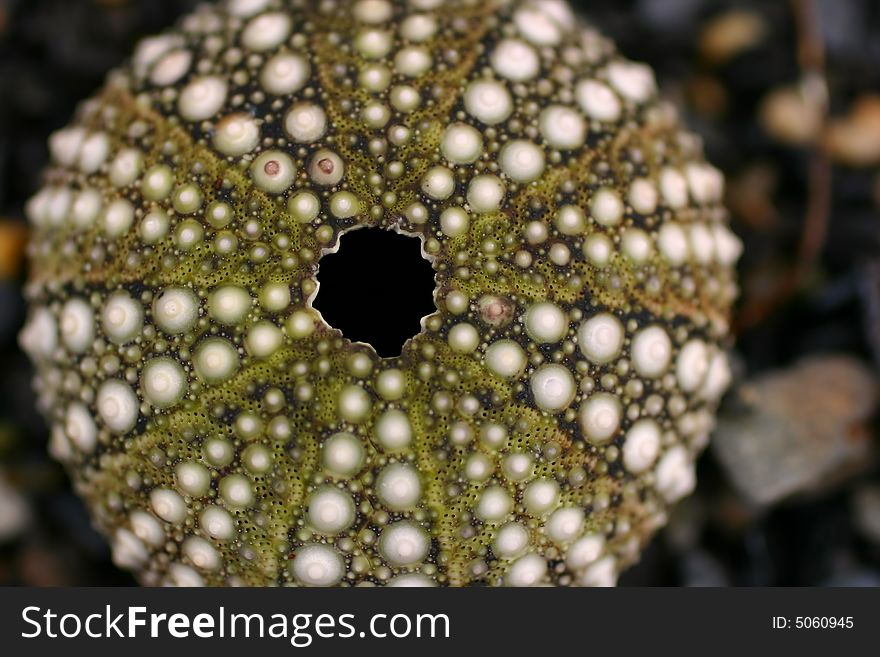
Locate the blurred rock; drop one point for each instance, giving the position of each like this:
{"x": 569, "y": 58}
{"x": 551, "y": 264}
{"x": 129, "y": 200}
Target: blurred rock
{"x": 701, "y": 569}
{"x": 866, "y": 511}
{"x": 15, "y": 512}
{"x": 791, "y": 116}
{"x": 730, "y": 34}
{"x": 854, "y": 140}
{"x": 12, "y": 238}
{"x": 797, "y": 430}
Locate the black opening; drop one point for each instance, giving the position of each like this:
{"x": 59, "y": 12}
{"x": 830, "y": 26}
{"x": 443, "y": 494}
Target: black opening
{"x": 376, "y": 288}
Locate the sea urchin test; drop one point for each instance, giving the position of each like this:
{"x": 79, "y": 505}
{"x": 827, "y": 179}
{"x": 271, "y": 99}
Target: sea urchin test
{"x": 538, "y": 427}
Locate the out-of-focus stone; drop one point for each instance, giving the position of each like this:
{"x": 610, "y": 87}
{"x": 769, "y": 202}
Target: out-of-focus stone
{"x": 854, "y": 140}
{"x": 13, "y": 236}
{"x": 15, "y": 512}
{"x": 798, "y": 430}
{"x": 866, "y": 511}
{"x": 791, "y": 116}
{"x": 730, "y": 34}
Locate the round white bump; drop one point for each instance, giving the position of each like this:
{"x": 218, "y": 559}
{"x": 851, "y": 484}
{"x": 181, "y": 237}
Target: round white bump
{"x": 599, "y": 417}
{"x": 672, "y": 242}
{"x": 506, "y": 358}
{"x": 330, "y": 510}
{"x": 412, "y": 61}
{"x": 215, "y": 360}
{"x": 673, "y": 188}
{"x": 168, "y": 505}
{"x": 86, "y": 207}
{"x": 454, "y": 222}
{"x": 600, "y": 338}
{"x": 598, "y": 249}
{"x": 565, "y": 525}
{"x": 488, "y": 100}
{"x": 540, "y": 496}
{"x": 126, "y": 167}
{"x": 229, "y": 304}
{"x": 122, "y": 318}
{"x": 171, "y": 68}
{"x": 216, "y": 522}
{"x": 275, "y": 297}
{"x": 536, "y": 26}
{"x": 675, "y": 474}
{"x": 528, "y": 570}
{"x": 94, "y": 152}
{"x": 562, "y": 127}
{"x": 597, "y": 100}
{"x": 354, "y": 403}
{"x": 728, "y": 247}
{"x": 176, "y": 310}
{"x": 80, "y": 428}
{"x": 343, "y": 454}
{"x": 606, "y": 207}
{"x": 39, "y": 338}
{"x": 404, "y": 543}
{"x": 237, "y": 491}
{"x": 463, "y": 338}
{"x": 305, "y": 122}
{"x": 192, "y": 478}
{"x": 643, "y": 196}
{"x": 651, "y": 351}
{"x": 373, "y": 43}
{"x": 518, "y": 466}
{"x": 393, "y": 430}
{"x": 184, "y": 576}
{"x": 263, "y": 339}
{"x": 411, "y": 580}
{"x": 438, "y": 183}
{"x": 64, "y": 145}
{"x": 326, "y": 168}
{"x": 632, "y": 80}
{"x": 117, "y": 218}
{"x": 418, "y": 27}
{"x": 246, "y": 8}
{"x": 154, "y": 227}
{"x": 522, "y": 161}
{"x": 147, "y": 528}
{"x": 515, "y": 60}
{"x": 702, "y": 243}
{"x": 641, "y": 446}
{"x": 202, "y": 98}
{"x": 304, "y": 207}
{"x": 584, "y": 551}
{"x": 494, "y": 505}
{"x": 236, "y": 135}
{"x": 718, "y": 377}
{"x": 485, "y": 193}
{"x": 285, "y": 74}
{"x": 553, "y": 387}
{"x": 391, "y": 384}
{"x": 266, "y": 31}
{"x": 344, "y": 205}
{"x": 398, "y": 486}
{"x": 273, "y": 171}
{"x": 570, "y": 220}
{"x": 317, "y": 565}
{"x": 157, "y": 182}
{"x": 692, "y": 365}
{"x": 201, "y": 553}
{"x": 461, "y": 143}
{"x": 372, "y": 12}
{"x": 511, "y": 540}
{"x": 546, "y": 323}
{"x": 163, "y": 382}
{"x": 128, "y": 550}
{"x": 117, "y": 406}
{"x": 636, "y": 245}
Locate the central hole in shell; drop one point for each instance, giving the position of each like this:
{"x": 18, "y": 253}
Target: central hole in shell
{"x": 376, "y": 289}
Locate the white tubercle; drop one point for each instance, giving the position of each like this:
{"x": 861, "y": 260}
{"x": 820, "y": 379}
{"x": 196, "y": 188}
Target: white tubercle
{"x": 597, "y": 100}
{"x": 562, "y": 127}
{"x": 285, "y": 73}
{"x": 117, "y": 406}
{"x": 163, "y": 382}
{"x": 522, "y": 160}
{"x": 528, "y": 570}
{"x": 80, "y": 428}
{"x": 553, "y": 387}
{"x": 404, "y": 543}
{"x": 600, "y": 338}
{"x": 546, "y": 323}
{"x": 506, "y": 358}
{"x": 317, "y": 565}
{"x": 266, "y": 31}
{"x": 77, "y": 323}
{"x": 176, "y": 310}
{"x": 398, "y": 486}
{"x": 511, "y": 540}
{"x": 305, "y": 122}
{"x": 202, "y": 98}
{"x": 600, "y": 417}
{"x": 488, "y": 100}
{"x": 343, "y": 454}
{"x": 168, "y": 505}
{"x": 515, "y": 60}
{"x": 330, "y": 510}
{"x": 651, "y": 351}
{"x": 393, "y": 430}
{"x": 641, "y": 446}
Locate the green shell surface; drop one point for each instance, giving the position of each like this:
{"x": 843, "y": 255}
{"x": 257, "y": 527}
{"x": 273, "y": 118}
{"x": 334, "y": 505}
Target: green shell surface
{"x": 539, "y": 426}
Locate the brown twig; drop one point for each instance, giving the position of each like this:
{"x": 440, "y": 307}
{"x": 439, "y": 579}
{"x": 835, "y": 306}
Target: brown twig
{"x": 814, "y": 87}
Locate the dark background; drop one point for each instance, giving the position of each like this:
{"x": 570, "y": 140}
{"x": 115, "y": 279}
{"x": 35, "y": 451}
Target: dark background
{"x": 790, "y": 493}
